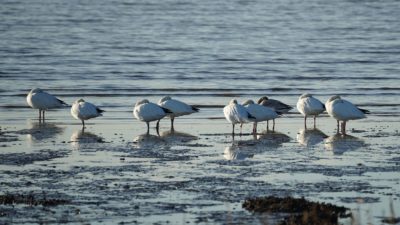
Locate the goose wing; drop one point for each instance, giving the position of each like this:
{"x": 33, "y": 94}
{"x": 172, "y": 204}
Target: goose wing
{"x": 177, "y": 107}
{"x": 261, "y": 113}
{"x": 277, "y": 105}
{"x": 345, "y": 110}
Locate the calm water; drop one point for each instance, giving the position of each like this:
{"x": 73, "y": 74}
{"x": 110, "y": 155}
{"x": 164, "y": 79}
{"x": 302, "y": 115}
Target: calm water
{"x": 114, "y": 53}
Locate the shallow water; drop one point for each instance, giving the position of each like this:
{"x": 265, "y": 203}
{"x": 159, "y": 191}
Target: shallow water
{"x": 205, "y": 53}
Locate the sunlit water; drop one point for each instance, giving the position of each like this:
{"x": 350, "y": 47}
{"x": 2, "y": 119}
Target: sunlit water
{"x": 205, "y": 53}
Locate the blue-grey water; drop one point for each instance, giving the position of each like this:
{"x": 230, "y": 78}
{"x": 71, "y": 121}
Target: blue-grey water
{"x": 118, "y": 51}
{"x": 114, "y": 53}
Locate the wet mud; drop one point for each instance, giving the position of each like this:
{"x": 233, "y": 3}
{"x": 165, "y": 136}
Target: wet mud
{"x": 179, "y": 178}
{"x": 29, "y": 158}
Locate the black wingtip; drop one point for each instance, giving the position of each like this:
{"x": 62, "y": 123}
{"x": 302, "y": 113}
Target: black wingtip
{"x": 250, "y": 116}
{"x": 100, "y": 110}
{"x": 166, "y": 110}
{"x": 288, "y": 107}
{"x": 195, "y": 109}
{"x": 365, "y": 111}
{"x": 62, "y": 102}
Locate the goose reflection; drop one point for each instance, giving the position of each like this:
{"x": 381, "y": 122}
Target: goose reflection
{"x": 148, "y": 141}
{"x": 81, "y": 139}
{"x": 173, "y": 136}
{"x": 234, "y": 152}
{"x": 339, "y": 143}
{"x": 273, "y": 139}
{"x": 310, "y": 137}
{"x": 39, "y": 131}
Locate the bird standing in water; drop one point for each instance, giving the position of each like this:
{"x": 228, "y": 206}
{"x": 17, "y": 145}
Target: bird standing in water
{"x": 236, "y": 113}
{"x": 309, "y": 106}
{"x": 147, "y": 111}
{"x": 176, "y": 107}
{"x": 82, "y": 110}
{"x": 343, "y": 110}
{"x": 39, "y": 99}
{"x": 276, "y": 105}
{"x": 261, "y": 113}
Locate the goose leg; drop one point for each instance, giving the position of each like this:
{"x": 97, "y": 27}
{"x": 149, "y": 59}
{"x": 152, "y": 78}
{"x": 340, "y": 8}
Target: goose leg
{"x": 344, "y": 127}
{"x": 43, "y": 115}
{"x": 158, "y": 124}
{"x": 337, "y": 126}
{"x": 148, "y": 127}
{"x": 40, "y": 115}
{"x": 172, "y": 123}
{"x": 158, "y": 131}
{"x": 315, "y": 123}
{"x": 273, "y": 125}
{"x": 267, "y": 125}
{"x": 305, "y": 122}
{"x": 83, "y": 124}
{"x": 233, "y": 129}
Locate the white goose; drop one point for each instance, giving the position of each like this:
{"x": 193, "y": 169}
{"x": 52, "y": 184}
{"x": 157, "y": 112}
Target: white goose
{"x": 261, "y": 113}
{"x": 39, "y": 99}
{"x": 307, "y": 105}
{"x": 147, "y": 111}
{"x": 276, "y": 105}
{"x": 343, "y": 110}
{"x": 236, "y": 113}
{"x": 82, "y": 110}
{"x": 177, "y": 108}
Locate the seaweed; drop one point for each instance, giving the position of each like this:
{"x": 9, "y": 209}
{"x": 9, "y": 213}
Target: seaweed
{"x": 31, "y": 200}
{"x": 300, "y": 210}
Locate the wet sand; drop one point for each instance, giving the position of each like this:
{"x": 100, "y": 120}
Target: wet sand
{"x": 113, "y": 172}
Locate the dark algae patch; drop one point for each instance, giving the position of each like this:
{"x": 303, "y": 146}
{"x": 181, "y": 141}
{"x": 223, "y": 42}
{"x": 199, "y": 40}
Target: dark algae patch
{"x": 391, "y": 220}
{"x": 300, "y": 210}
{"x": 31, "y": 200}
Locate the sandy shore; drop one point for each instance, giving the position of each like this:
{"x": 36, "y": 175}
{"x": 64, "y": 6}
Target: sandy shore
{"x": 113, "y": 172}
